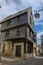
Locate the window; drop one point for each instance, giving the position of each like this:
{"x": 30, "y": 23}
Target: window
{"x": 23, "y": 18}
{"x": 33, "y": 24}
{"x": 22, "y": 31}
{"x": 14, "y": 33}
{"x": 18, "y": 31}
{"x": 29, "y": 33}
{"x": 14, "y": 21}
{"x": 18, "y": 18}
{"x": 8, "y": 22}
{"x": 7, "y": 34}
{"x": 30, "y": 20}
{"x": 29, "y": 48}
{"x": 31, "y": 12}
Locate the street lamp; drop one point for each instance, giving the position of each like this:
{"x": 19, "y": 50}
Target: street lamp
{"x": 37, "y": 15}
{"x": 0, "y": 6}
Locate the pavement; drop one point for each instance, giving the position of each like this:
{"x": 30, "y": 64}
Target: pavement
{"x": 40, "y": 57}
{"x": 30, "y": 61}
{"x": 9, "y": 59}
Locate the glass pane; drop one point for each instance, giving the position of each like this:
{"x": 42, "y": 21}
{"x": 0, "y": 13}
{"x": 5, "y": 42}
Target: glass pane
{"x": 14, "y": 21}
{"x": 22, "y": 31}
{"x": 23, "y": 18}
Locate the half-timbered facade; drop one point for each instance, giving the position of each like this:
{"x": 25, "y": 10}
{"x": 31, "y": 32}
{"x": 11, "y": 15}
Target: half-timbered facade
{"x": 17, "y": 33}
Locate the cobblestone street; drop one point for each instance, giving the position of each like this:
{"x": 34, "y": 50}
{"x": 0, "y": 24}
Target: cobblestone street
{"x": 32, "y": 61}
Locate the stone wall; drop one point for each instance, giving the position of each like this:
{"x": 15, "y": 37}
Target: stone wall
{"x": 8, "y": 47}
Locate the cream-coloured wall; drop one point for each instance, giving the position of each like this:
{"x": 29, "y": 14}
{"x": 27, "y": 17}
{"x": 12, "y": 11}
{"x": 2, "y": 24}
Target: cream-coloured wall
{"x": 1, "y": 47}
{"x": 8, "y": 50}
{"x": 23, "y": 55}
{"x": 8, "y": 47}
{"x": 28, "y": 55}
{"x": 35, "y": 49}
{"x": 34, "y": 52}
{"x": 22, "y": 48}
{"x": 34, "y": 44}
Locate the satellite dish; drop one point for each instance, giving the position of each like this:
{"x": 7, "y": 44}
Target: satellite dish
{"x": 37, "y": 15}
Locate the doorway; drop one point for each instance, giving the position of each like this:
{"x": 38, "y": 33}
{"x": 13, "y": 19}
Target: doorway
{"x": 3, "y": 47}
{"x": 18, "y": 51}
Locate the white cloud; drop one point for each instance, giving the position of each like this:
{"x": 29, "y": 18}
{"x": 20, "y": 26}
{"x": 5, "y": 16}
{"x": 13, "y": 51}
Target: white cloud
{"x": 38, "y": 23}
{"x": 11, "y": 6}
{"x": 41, "y": 0}
{"x": 39, "y": 37}
{"x": 31, "y": 3}
{"x": 39, "y": 34}
{"x": 7, "y": 8}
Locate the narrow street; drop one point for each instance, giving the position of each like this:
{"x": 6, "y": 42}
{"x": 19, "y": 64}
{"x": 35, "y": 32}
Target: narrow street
{"x": 21, "y": 32}
{"x": 32, "y": 61}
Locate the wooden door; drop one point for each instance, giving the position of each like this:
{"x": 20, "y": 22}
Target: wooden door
{"x": 18, "y": 51}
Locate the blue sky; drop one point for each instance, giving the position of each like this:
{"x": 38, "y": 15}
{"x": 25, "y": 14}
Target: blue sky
{"x": 12, "y": 6}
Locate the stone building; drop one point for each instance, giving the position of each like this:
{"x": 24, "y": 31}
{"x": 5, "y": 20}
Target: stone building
{"x": 1, "y": 42}
{"x": 42, "y": 43}
{"x": 19, "y": 38}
